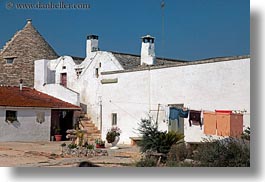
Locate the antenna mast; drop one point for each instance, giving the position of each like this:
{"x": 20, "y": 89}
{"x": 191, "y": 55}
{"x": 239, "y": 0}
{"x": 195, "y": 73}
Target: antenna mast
{"x": 163, "y": 27}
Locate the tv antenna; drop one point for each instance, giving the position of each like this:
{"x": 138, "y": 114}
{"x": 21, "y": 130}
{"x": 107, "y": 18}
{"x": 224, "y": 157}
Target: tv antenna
{"x": 163, "y": 27}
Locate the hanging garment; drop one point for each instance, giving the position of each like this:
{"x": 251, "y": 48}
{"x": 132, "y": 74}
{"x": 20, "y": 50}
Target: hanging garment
{"x": 175, "y": 113}
{"x": 195, "y": 118}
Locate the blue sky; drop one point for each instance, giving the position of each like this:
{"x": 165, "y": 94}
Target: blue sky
{"x": 194, "y": 29}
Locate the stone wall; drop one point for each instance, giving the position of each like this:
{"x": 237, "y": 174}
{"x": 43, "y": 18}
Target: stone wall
{"x": 25, "y": 47}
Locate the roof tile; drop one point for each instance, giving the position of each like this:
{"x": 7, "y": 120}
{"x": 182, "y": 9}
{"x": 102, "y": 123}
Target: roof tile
{"x": 28, "y": 97}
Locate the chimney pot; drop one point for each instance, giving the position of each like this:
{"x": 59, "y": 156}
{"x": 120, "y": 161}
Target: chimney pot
{"x": 20, "y": 84}
{"x": 92, "y": 44}
{"x": 148, "y": 50}
{"x": 29, "y": 20}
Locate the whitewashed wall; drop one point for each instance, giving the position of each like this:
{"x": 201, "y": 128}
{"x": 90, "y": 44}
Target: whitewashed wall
{"x": 211, "y": 86}
{"x": 27, "y": 129}
{"x": 86, "y": 88}
{"x": 46, "y": 80}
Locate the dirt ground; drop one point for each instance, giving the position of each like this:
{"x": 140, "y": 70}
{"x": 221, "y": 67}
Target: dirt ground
{"x": 48, "y": 154}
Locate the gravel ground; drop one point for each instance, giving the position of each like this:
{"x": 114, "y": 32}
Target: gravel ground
{"x": 48, "y": 154}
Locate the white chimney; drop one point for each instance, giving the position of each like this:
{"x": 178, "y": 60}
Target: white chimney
{"x": 148, "y": 50}
{"x": 20, "y": 84}
{"x": 29, "y": 20}
{"x": 91, "y": 44}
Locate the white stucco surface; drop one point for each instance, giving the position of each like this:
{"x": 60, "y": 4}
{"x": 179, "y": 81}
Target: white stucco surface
{"x": 46, "y": 80}
{"x": 84, "y": 89}
{"x": 219, "y": 85}
{"x": 215, "y": 85}
{"x": 26, "y": 129}
{"x": 148, "y": 53}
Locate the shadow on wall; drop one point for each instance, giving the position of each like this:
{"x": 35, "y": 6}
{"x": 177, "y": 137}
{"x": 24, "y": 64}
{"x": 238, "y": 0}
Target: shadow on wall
{"x": 84, "y": 107}
{"x": 16, "y": 124}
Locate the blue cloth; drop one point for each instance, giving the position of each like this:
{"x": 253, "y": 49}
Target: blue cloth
{"x": 175, "y": 113}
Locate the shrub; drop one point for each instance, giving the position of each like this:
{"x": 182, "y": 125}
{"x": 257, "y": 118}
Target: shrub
{"x": 178, "y": 152}
{"x": 224, "y": 153}
{"x": 147, "y": 162}
{"x": 179, "y": 164}
{"x": 88, "y": 146}
{"x": 155, "y": 140}
{"x": 246, "y": 134}
{"x": 72, "y": 146}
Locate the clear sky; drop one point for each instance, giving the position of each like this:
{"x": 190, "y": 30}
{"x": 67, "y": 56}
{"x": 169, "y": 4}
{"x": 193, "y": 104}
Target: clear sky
{"x": 194, "y": 29}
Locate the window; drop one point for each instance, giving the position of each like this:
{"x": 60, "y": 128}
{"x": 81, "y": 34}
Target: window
{"x": 114, "y": 119}
{"x": 100, "y": 65}
{"x": 64, "y": 67}
{"x": 78, "y": 72}
{"x": 9, "y": 60}
{"x": 94, "y": 49}
{"x": 11, "y": 116}
{"x": 40, "y": 117}
{"x": 97, "y": 72}
{"x": 64, "y": 79}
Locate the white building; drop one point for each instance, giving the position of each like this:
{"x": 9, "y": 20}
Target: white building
{"x": 29, "y": 115}
{"x": 117, "y": 88}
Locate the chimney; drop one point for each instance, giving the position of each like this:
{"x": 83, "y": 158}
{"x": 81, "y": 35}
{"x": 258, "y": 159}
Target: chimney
{"x": 148, "y": 50}
{"x": 20, "y": 84}
{"x": 91, "y": 44}
{"x": 29, "y": 20}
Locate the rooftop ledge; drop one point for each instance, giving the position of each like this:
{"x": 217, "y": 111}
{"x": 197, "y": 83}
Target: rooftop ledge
{"x": 203, "y": 61}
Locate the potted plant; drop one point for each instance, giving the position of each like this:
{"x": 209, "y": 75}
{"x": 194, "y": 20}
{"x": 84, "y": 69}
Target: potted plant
{"x": 113, "y": 136}
{"x": 100, "y": 143}
{"x": 57, "y": 135}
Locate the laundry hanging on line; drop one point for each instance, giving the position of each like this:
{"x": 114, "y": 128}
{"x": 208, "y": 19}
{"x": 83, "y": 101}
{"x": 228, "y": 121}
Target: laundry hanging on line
{"x": 195, "y": 118}
{"x": 175, "y": 113}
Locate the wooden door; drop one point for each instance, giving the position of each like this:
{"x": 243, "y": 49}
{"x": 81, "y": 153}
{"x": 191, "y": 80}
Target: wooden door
{"x": 173, "y": 124}
{"x": 64, "y": 79}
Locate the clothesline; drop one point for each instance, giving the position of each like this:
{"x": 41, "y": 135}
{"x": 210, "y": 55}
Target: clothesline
{"x": 244, "y": 112}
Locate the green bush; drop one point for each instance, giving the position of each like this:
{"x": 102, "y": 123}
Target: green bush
{"x": 72, "y": 146}
{"x": 155, "y": 140}
{"x": 179, "y": 164}
{"x": 178, "y": 152}
{"x": 246, "y": 134}
{"x": 224, "y": 153}
{"x": 147, "y": 162}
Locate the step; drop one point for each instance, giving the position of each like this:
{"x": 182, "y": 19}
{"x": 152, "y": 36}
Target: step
{"x": 86, "y": 121}
{"x": 90, "y": 128}
{"x": 93, "y": 132}
{"x": 87, "y": 125}
{"x": 92, "y": 136}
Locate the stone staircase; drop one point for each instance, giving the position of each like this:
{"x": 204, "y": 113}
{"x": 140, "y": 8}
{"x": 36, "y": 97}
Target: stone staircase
{"x": 92, "y": 132}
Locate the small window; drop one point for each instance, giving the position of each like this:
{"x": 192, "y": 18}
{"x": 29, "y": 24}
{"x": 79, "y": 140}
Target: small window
{"x": 64, "y": 67}
{"x": 40, "y": 117}
{"x": 114, "y": 119}
{"x": 100, "y": 65}
{"x": 94, "y": 49}
{"x": 9, "y": 60}
{"x": 78, "y": 72}
{"x": 97, "y": 72}
{"x": 11, "y": 116}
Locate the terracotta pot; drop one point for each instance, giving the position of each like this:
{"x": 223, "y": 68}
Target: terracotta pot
{"x": 58, "y": 137}
{"x": 100, "y": 146}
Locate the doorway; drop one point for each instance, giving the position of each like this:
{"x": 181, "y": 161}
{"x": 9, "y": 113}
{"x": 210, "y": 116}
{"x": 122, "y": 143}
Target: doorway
{"x": 61, "y": 121}
{"x": 64, "y": 79}
{"x": 176, "y": 125}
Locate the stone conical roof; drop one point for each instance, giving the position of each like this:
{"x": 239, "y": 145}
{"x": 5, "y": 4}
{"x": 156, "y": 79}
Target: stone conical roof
{"x": 26, "y": 46}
